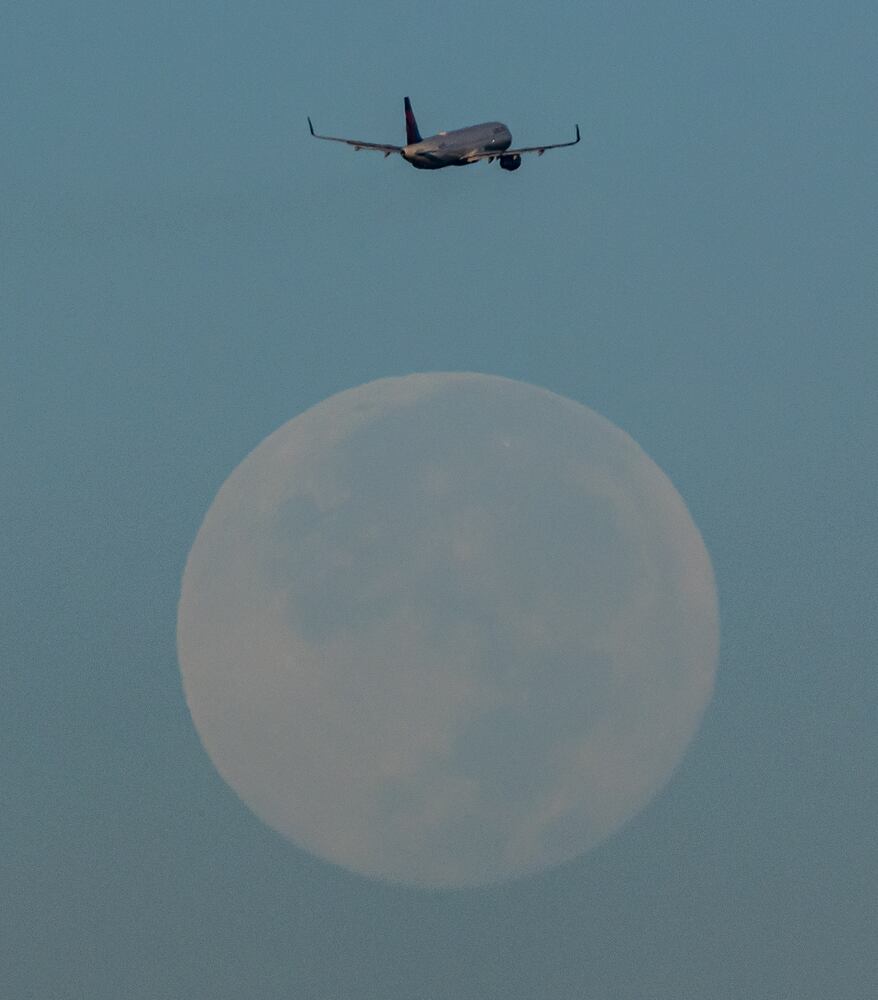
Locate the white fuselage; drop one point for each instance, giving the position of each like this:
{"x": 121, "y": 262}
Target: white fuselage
{"x": 455, "y": 149}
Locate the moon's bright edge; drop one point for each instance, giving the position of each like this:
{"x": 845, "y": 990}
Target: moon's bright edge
{"x": 447, "y": 629}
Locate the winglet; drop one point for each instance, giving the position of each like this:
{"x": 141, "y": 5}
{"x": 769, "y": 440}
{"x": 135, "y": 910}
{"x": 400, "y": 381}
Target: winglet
{"x": 577, "y": 132}
{"x": 310, "y": 126}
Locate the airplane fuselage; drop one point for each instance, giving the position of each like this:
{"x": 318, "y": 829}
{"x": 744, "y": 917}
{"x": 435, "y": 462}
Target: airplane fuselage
{"x": 459, "y": 147}
{"x": 488, "y": 141}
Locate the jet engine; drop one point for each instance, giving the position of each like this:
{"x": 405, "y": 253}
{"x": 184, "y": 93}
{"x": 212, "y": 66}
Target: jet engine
{"x": 510, "y": 162}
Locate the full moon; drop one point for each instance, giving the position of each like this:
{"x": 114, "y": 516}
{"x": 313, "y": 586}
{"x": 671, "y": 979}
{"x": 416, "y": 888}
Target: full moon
{"x": 447, "y": 629}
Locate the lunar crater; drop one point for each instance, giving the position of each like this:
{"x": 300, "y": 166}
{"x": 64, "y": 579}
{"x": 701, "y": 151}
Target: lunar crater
{"x": 447, "y": 629}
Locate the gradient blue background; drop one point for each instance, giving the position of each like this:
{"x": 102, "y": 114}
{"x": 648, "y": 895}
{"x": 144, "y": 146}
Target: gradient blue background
{"x": 184, "y": 268}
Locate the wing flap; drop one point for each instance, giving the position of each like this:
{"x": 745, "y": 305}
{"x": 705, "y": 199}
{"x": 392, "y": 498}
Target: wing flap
{"x": 539, "y": 150}
{"x": 358, "y": 144}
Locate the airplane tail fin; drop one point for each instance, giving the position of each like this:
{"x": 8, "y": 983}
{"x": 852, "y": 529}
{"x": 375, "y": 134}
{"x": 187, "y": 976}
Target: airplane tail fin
{"x": 411, "y": 126}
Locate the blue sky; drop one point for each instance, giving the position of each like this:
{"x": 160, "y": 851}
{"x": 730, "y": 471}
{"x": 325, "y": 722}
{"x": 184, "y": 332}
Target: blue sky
{"x": 184, "y": 269}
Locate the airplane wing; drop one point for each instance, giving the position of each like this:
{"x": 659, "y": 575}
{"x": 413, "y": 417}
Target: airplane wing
{"x": 539, "y": 150}
{"x": 386, "y": 150}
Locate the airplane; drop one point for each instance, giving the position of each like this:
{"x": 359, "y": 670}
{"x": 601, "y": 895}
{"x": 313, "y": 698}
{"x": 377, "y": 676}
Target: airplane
{"x": 488, "y": 141}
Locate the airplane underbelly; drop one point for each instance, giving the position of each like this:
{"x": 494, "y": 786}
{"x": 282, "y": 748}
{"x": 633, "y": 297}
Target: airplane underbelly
{"x": 433, "y": 159}
{"x": 428, "y": 161}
